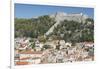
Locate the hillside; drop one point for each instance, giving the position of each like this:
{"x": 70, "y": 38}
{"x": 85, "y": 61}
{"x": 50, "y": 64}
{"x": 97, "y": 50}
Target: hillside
{"x": 70, "y": 27}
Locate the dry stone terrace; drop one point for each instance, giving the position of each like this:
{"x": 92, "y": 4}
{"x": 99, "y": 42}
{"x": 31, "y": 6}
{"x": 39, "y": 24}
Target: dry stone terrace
{"x": 52, "y": 51}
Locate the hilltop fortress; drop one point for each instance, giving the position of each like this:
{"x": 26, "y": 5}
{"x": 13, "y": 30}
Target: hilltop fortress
{"x": 61, "y": 16}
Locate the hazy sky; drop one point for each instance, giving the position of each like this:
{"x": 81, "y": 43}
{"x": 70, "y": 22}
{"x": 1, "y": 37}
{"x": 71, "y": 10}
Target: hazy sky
{"x": 29, "y": 11}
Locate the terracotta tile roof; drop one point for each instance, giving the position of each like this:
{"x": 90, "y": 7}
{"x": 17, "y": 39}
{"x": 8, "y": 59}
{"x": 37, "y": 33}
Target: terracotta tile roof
{"x": 31, "y": 52}
{"x": 22, "y": 63}
{"x": 25, "y": 58}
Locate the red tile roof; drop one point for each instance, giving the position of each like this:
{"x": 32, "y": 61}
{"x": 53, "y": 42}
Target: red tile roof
{"x": 25, "y": 58}
{"x": 31, "y": 52}
{"x": 22, "y": 63}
